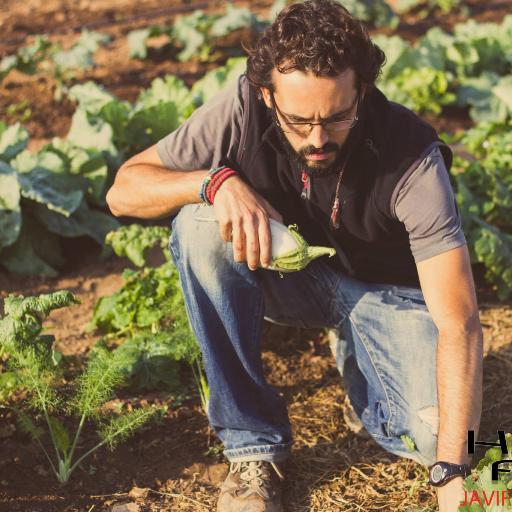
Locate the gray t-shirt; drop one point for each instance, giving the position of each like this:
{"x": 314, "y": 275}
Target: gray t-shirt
{"x": 424, "y": 202}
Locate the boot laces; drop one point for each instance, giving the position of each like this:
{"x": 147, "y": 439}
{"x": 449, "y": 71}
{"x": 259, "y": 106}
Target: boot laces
{"x": 256, "y": 477}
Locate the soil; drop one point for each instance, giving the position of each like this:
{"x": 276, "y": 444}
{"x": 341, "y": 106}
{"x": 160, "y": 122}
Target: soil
{"x": 176, "y": 464}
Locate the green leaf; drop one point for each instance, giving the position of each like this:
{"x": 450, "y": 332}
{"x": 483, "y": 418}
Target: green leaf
{"x": 409, "y": 443}
{"x": 92, "y": 40}
{"x": 191, "y": 32}
{"x": 27, "y": 425}
{"x": 148, "y": 362}
{"x": 8, "y": 383}
{"x": 60, "y": 434}
{"x": 22, "y": 258}
{"x": 10, "y": 214}
{"x": 503, "y": 91}
{"x": 83, "y": 222}
{"x": 121, "y": 427}
{"x": 78, "y": 57}
{"x": 134, "y": 240}
{"x": 480, "y": 93}
{"x": 59, "y": 192}
{"x": 148, "y": 126}
{"x": 91, "y": 133}
{"x": 169, "y": 89}
{"x": 234, "y": 19}
{"x": 90, "y": 96}
{"x": 13, "y": 140}
{"x": 96, "y": 385}
{"x": 219, "y": 78}
{"x": 6, "y": 64}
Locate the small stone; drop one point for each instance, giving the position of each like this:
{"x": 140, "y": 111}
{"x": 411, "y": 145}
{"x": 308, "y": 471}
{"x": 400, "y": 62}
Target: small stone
{"x": 126, "y": 507}
{"x": 41, "y": 471}
{"x": 138, "y": 493}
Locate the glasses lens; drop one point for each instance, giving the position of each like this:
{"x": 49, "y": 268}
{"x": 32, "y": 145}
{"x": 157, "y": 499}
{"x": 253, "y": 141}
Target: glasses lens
{"x": 340, "y": 126}
{"x": 305, "y": 129}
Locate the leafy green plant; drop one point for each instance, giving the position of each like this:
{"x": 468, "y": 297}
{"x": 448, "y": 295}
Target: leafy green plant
{"x": 378, "y": 13}
{"x": 33, "y": 361}
{"x": 424, "y": 90}
{"x": 471, "y": 63}
{"x": 484, "y": 194}
{"x": 45, "y": 196}
{"x": 148, "y": 316}
{"x": 60, "y": 190}
{"x": 26, "y": 58}
{"x": 62, "y": 63}
{"x": 194, "y": 36}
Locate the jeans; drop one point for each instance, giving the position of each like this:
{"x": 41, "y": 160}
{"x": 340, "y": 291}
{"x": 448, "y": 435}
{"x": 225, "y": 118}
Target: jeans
{"x": 385, "y": 349}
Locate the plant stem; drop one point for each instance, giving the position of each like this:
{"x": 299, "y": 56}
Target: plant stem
{"x": 94, "y": 448}
{"x": 48, "y": 457}
{"x": 86, "y": 454}
{"x": 69, "y": 458}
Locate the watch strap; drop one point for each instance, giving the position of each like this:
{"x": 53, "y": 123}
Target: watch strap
{"x": 452, "y": 471}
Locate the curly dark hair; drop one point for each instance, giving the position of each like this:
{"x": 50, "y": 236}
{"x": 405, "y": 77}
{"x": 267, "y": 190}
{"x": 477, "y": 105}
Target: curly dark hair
{"x": 318, "y": 36}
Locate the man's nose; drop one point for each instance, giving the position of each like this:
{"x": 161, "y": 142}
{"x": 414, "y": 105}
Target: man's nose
{"x": 318, "y": 136}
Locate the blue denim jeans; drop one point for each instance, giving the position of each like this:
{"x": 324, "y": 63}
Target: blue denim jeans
{"x": 385, "y": 350}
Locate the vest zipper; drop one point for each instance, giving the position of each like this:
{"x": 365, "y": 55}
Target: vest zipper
{"x": 306, "y": 185}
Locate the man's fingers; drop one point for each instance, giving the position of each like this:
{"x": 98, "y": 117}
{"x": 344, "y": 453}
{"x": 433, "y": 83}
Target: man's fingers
{"x": 238, "y": 242}
{"x": 252, "y": 245}
{"x": 265, "y": 239}
{"x": 226, "y": 231}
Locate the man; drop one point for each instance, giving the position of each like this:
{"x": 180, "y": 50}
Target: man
{"x": 306, "y": 137}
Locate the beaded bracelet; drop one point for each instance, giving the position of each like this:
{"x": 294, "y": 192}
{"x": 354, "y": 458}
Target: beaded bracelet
{"x": 215, "y": 185}
{"x": 206, "y": 181}
{"x": 218, "y": 176}
{"x": 215, "y": 177}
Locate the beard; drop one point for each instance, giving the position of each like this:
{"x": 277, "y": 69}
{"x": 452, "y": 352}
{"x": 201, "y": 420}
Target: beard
{"x": 313, "y": 168}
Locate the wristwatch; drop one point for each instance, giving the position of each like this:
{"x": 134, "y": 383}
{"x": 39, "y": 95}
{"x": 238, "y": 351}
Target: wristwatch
{"x": 442, "y": 472}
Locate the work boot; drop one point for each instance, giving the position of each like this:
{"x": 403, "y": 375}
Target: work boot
{"x": 253, "y": 486}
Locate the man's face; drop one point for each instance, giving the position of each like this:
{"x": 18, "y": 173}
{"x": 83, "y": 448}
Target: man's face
{"x": 301, "y": 97}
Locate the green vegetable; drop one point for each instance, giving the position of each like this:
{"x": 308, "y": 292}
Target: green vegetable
{"x": 290, "y": 252}
{"x": 35, "y": 365}
{"x": 147, "y": 316}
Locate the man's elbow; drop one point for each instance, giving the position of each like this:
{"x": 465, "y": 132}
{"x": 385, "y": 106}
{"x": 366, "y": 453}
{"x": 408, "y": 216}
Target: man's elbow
{"x": 115, "y": 194}
{"x": 112, "y": 202}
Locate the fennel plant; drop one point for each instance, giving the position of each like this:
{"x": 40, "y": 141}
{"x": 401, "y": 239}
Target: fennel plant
{"x": 34, "y": 362}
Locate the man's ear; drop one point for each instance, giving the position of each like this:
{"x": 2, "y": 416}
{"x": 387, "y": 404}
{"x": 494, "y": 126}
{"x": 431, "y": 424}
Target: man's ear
{"x": 265, "y": 94}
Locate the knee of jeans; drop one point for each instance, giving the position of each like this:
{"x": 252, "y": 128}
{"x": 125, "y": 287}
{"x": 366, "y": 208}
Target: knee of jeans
{"x": 195, "y": 234}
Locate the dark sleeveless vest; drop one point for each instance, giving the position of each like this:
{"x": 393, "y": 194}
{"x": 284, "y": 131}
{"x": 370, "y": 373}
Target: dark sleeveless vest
{"x": 384, "y": 147}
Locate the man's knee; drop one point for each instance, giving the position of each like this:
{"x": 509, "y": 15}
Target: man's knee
{"x": 195, "y": 234}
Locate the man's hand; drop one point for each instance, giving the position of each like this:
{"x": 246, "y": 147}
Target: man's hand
{"x": 451, "y": 495}
{"x": 243, "y": 219}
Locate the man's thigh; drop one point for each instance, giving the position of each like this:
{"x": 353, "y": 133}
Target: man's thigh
{"x": 304, "y": 299}
{"x": 395, "y": 343}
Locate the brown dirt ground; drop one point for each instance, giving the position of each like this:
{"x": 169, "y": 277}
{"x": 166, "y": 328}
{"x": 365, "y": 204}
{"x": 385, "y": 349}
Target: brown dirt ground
{"x": 176, "y": 465}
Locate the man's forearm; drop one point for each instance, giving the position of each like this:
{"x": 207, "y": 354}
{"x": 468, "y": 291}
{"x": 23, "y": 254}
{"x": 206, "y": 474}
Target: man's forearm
{"x": 459, "y": 386}
{"x": 147, "y": 191}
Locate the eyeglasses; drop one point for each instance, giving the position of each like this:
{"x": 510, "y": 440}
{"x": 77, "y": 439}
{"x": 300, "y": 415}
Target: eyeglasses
{"x": 303, "y": 129}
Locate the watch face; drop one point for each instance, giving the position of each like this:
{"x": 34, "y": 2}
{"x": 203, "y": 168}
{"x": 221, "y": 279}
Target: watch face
{"x": 437, "y": 473}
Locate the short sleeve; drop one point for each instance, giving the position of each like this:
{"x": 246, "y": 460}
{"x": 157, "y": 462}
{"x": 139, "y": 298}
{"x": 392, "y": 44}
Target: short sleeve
{"x": 210, "y": 135}
{"x": 426, "y": 205}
